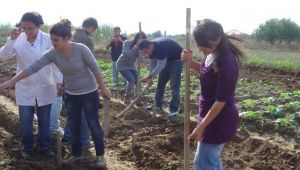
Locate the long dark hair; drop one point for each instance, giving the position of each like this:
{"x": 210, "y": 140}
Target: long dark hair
{"x": 208, "y": 32}
{"x": 136, "y": 38}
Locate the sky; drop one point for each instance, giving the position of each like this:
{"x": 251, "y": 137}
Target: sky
{"x": 154, "y": 15}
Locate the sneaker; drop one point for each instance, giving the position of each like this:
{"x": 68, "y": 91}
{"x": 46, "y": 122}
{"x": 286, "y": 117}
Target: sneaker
{"x": 100, "y": 161}
{"x": 35, "y": 119}
{"x": 48, "y": 153}
{"x": 73, "y": 160}
{"x": 150, "y": 108}
{"x": 173, "y": 114}
{"x": 88, "y": 145}
{"x": 26, "y": 155}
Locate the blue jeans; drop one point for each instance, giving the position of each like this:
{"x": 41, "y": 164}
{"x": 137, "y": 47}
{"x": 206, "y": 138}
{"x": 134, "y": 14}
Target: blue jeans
{"x": 85, "y": 132}
{"x": 130, "y": 76}
{"x": 55, "y": 114}
{"x": 89, "y": 102}
{"x": 26, "y": 127}
{"x": 208, "y": 156}
{"x": 172, "y": 72}
{"x": 115, "y": 72}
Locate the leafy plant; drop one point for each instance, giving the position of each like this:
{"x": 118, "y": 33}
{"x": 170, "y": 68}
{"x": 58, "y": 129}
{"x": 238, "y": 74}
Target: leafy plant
{"x": 267, "y": 100}
{"x": 292, "y": 105}
{"x": 250, "y": 115}
{"x": 285, "y": 122}
{"x": 296, "y": 93}
{"x": 276, "y": 111}
{"x": 249, "y": 103}
{"x": 284, "y": 95}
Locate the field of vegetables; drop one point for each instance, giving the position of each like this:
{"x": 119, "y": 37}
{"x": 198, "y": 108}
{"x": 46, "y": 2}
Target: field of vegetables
{"x": 268, "y": 137}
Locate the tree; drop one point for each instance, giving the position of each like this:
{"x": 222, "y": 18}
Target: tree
{"x": 156, "y": 34}
{"x": 267, "y": 31}
{"x": 288, "y": 31}
{"x": 104, "y": 32}
{"x": 278, "y": 30}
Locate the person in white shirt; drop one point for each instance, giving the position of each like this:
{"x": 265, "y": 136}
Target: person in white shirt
{"x": 28, "y": 44}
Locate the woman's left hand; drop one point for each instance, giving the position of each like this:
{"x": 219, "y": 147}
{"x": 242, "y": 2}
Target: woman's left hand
{"x": 196, "y": 134}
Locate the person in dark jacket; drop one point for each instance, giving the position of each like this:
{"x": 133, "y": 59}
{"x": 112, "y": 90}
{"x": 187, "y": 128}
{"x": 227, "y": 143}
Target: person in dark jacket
{"x": 116, "y": 45}
{"x": 164, "y": 54}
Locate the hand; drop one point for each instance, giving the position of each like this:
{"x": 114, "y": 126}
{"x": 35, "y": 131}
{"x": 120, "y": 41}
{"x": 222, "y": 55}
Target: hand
{"x": 105, "y": 93}
{"x": 15, "y": 33}
{"x": 187, "y": 55}
{"x": 147, "y": 79}
{"x": 118, "y": 38}
{"x": 196, "y": 134}
{"x": 60, "y": 89}
{"x": 6, "y": 84}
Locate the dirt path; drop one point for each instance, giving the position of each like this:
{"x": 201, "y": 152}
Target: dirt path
{"x": 10, "y": 146}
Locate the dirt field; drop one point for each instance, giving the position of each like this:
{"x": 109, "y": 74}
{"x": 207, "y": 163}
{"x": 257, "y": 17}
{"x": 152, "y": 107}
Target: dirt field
{"x": 159, "y": 139}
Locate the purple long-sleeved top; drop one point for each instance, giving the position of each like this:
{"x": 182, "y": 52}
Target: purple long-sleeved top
{"x": 219, "y": 86}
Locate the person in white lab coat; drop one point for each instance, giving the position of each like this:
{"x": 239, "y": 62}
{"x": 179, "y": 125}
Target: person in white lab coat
{"x": 39, "y": 90}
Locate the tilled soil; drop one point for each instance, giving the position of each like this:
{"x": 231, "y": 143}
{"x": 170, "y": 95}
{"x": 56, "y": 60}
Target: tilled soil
{"x": 159, "y": 143}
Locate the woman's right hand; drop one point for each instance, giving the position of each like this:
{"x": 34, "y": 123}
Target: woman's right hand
{"x": 105, "y": 93}
{"x": 6, "y": 84}
{"x": 15, "y": 33}
{"x": 187, "y": 55}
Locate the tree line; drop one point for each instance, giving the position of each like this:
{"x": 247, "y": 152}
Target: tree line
{"x": 273, "y": 31}
{"x": 278, "y": 30}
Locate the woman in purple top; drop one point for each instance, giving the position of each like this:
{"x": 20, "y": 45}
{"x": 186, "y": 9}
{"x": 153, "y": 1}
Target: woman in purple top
{"x": 218, "y": 115}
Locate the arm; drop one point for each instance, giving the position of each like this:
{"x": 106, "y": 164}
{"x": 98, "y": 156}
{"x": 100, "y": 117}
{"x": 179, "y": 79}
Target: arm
{"x": 41, "y": 62}
{"x": 210, "y": 116}
{"x": 12, "y": 82}
{"x": 108, "y": 45}
{"x": 128, "y": 51}
{"x": 7, "y": 51}
{"x": 104, "y": 92}
{"x": 160, "y": 65}
{"x": 154, "y": 70}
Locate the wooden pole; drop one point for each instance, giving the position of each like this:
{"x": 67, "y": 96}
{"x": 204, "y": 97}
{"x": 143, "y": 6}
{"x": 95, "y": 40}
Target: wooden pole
{"x": 106, "y": 117}
{"x": 187, "y": 95}
{"x": 58, "y": 149}
{"x": 138, "y": 85}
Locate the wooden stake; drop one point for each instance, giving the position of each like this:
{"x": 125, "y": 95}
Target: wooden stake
{"x": 187, "y": 95}
{"x": 134, "y": 140}
{"x": 139, "y": 59}
{"x": 106, "y": 117}
{"x": 58, "y": 150}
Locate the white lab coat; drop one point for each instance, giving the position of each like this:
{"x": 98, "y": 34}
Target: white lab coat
{"x": 41, "y": 86}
